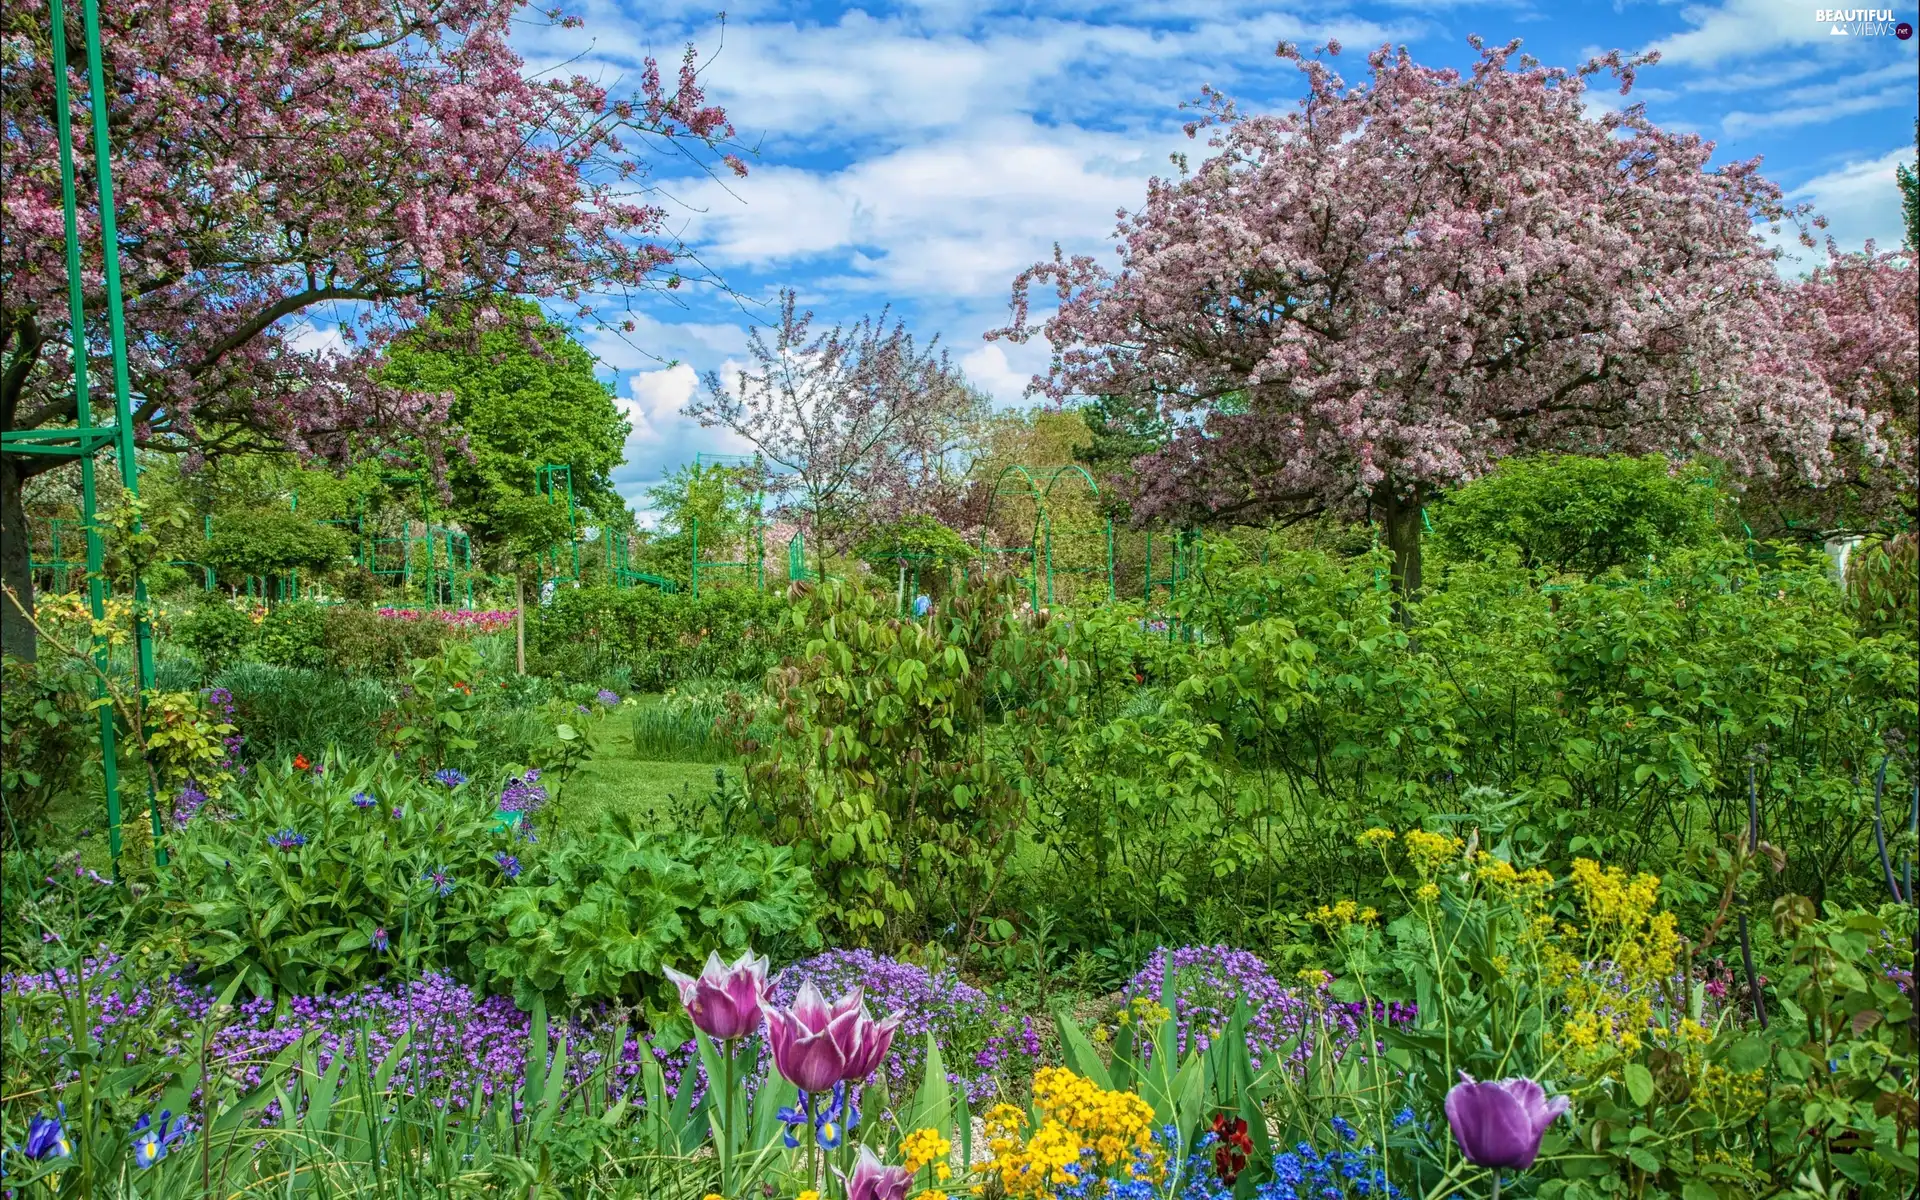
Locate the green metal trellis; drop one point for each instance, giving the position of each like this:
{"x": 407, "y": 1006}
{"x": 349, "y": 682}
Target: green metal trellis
{"x": 759, "y": 563}
{"x": 83, "y": 440}
{"x": 1018, "y": 481}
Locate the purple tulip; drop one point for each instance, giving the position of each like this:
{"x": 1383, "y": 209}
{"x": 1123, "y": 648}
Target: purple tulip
{"x": 875, "y": 1038}
{"x": 724, "y": 1001}
{"x": 872, "y": 1180}
{"x": 813, "y": 1042}
{"x": 1499, "y": 1125}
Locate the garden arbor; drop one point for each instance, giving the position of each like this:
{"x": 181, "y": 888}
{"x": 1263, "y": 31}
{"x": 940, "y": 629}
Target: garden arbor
{"x": 1068, "y": 547}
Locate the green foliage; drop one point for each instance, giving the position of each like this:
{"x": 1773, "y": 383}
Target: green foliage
{"x": 47, "y": 726}
{"x": 303, "y": 919}
{"x": 605, "y": 913}
{"x": 266, "y": 542}
{"x": 728, "y": 633}
{"x": 185, "y": 740}
{"x": 284, "y": 711}
{"x": 1568, "y": 512}
{"x": 432, "y": 723}
{"x": 1883, "y": 583}
{"x": 722, "y": 500}
{"x": 525, "y": 395}
{"x": 888, "y": 761}
{"x": 359, "y": 641}
{"x": 293, "y": 634}
{"x": 215, "y": 631}
{"x": 920, "y": 540}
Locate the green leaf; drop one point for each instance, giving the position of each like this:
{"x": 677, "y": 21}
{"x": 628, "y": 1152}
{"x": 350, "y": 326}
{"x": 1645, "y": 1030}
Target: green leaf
{"x": 932, "y": 1104}
{"x": 1081, "y": 1057}
{"x": 1639, "y": 1083}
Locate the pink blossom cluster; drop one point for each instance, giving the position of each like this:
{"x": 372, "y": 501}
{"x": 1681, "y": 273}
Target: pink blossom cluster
{"x": 1407, "y": 279}
{"x": 467, "y": 620}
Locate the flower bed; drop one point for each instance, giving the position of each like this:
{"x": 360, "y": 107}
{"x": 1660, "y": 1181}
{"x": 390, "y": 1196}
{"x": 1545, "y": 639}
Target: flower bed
{"x": 465, "y": 620}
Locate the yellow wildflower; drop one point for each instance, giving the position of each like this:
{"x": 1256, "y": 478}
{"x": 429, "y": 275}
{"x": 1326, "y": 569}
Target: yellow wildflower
{"x": 1376, "y": 836}
{"x": 1428, "y": 852}
{"x": 924, "y": 1147}
{"x": 1426, "y": 893}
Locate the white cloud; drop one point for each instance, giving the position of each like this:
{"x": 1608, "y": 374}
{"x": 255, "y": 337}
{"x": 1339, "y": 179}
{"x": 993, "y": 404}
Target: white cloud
{"x": 1816, "y": 111}
{"x": 1741, "y": 29}
{"x": 958, "y": 216}
{"x": 991, "y": 369}
{"x": 1861, "y": 199}
{"x": 662, "y": 437}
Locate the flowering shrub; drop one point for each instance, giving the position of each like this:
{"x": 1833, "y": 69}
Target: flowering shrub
{"x": 463, "y": 620}
{"x": 984, "y": 1043}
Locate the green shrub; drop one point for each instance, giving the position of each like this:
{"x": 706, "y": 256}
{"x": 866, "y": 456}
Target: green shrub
{"x": 265, "y": 542}
{"x": 728, "y": 633}
{"x": 603, "y": 914}
{"x": 293, "y": 634}
{"x": 359, "y": 641}
{"x": 1568, "y": 512}
{"x": 306, "y": 918}
{"x": 215, "y": 631}
{"x": 284, "y": 711}
{"x": 46, "y": 731}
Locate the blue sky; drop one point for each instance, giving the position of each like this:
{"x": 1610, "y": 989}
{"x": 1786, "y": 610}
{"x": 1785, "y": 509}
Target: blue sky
{"x": 922, "y": 154}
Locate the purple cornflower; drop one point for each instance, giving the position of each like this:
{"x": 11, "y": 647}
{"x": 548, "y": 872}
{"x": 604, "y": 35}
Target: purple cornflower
{"x": 509, "y": 865}
{"x": 449, "y": 777}
{"x": 363, "y": 800}
{"x": 379, "y": 940}
{"x": 287, "y": 839}
{"x": 398, "y": 812}
{"x": 522, "y": 794}
{"x": 606, "y": 697}
{"x": 441, "y": 881}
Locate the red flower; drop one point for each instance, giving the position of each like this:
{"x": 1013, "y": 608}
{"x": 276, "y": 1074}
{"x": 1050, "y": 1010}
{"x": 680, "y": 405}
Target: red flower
{"x": 1230, "y": 1157}
{"x": 300, "y": 762}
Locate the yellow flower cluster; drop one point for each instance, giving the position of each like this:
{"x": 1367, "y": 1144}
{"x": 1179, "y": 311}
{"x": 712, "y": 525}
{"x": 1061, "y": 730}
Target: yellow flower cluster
{"x": 1146, "y": 1012}
{"x": 1336, "y": 917}
{"x": 1646, "y": 943}
{"x": 925, "y": 1147}
{"x": 1428, "y": 852}
{"x": 1636, "y": 949}
{"x": 1078, "y": 1120}
{"x": 1375, "y": 837}
{"x": 1500, "y": 876}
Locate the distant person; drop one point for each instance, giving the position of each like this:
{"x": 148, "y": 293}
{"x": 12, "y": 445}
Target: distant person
{"x": 922, "y": 605}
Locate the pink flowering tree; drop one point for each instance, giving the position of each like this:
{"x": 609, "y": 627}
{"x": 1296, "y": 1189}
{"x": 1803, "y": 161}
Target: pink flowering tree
{"x": 360, "y": 161}
{"x": 853, "y": 424}
{"x": 1861, "y": 316}
{"x": 1375, "y": 296}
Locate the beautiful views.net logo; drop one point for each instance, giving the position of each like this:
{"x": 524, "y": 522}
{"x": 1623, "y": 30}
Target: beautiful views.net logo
{"x": 1862, "y": 22}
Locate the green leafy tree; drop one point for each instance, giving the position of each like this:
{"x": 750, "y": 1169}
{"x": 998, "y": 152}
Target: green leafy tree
{"x": 720, "y": 499}
{"x": 268, "y": 541}
{"x": 1566, "y": 512}
{"x": 525, "y": 395}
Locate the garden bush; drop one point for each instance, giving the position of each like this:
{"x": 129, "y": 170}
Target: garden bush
{"x": 46, "y": 732}
{"x": 215, "y": 631}
{"x": 362, "y": 641}
{"x": 327, "y": 872}
{"x": 1571, "y": 512}
{"x": 729, "y": 633}
{"x": 293, "y": 634}
{"x": 602, "y": 914}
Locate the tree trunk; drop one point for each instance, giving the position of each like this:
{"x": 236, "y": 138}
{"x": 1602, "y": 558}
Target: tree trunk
{"x": 16, "y": 563}
{"x": 519, "y": 621}
{"x": 1402, "y": 518}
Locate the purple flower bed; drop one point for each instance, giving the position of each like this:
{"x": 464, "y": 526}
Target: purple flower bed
{"x": 461, "y": 1042}
{"x": 1209, "y": 980}
{"x": 981, "y": 1039}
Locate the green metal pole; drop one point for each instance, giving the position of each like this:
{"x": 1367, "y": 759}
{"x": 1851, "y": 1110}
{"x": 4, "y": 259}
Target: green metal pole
{"x": 1049, "y": 538}
{"x": 83, "y": 419}
{"x": 1110, "y": 582}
